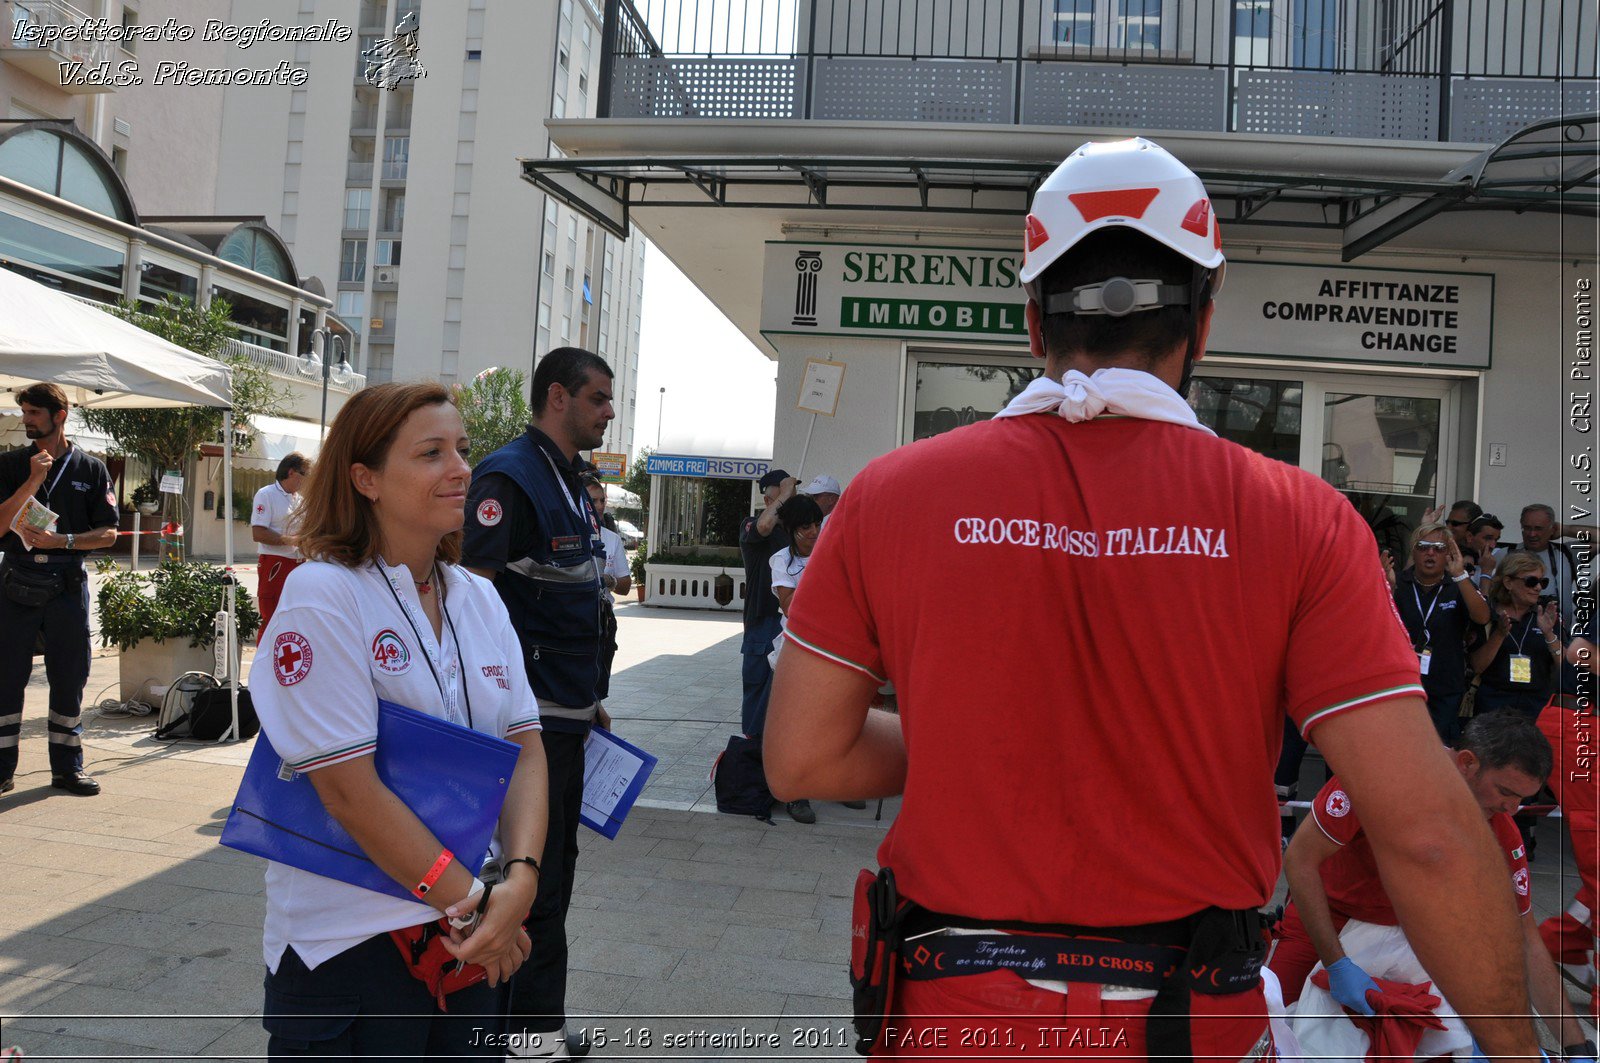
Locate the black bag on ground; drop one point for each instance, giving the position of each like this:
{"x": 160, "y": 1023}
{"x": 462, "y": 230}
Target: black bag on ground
{"x": 197, "y": 708}
{"x": 741, "y": 780}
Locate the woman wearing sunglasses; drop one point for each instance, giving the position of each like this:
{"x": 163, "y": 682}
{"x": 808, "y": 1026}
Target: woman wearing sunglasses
{"x": 1521, "y": 649}
{"x": 1439, "y": 605}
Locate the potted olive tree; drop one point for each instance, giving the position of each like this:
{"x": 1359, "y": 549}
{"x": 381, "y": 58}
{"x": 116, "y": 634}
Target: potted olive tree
{"x": 164, "y": 620}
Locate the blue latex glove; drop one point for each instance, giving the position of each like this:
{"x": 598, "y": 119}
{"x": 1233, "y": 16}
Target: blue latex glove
{"x": 1349, "y": 984}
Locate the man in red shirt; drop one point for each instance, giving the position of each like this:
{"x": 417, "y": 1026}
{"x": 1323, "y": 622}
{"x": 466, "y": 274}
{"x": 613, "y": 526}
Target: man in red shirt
{"x": 1095, "y": 761}
{"x": 1342, "y": 915}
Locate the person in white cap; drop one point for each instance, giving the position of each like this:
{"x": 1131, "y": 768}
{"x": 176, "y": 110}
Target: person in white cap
{"x": 1088, "y": 829}
{"x": 826, "y": 491}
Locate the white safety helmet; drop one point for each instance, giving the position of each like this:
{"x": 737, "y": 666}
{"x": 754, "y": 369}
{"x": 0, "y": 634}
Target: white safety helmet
{"x": 1133, "y": 183}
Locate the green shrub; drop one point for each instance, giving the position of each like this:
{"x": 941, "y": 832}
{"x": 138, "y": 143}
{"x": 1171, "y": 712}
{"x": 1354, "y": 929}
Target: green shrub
{"x": 179, "y": 600}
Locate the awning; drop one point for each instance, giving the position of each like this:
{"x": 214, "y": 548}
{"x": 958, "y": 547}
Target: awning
{"x": 278, "y": 437}
{"x": 617, "y": 496}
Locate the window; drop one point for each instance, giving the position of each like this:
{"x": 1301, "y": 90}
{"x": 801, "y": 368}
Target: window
{"x": 1138, "y": 24}
{"x": 550, "y": 263}
{"x": 566, "y": 10}
{"x": 1074, "y": 22}
{"x": 583, "y": 83}
{"x": 558, "y": 106}
{"x": 550, "y": 210}
{"x": 119, "y": 161}
{"x": 474, "y": 55}
{"x": 353, "y": 261}
{"x": 352, "y": 305}
{"x": 130, "y": 22}
{"x": 585, "y": 33}
{"x": 572, "y": 228}
{"x": 61, "y": 166}
{"x": 388, "y": 253}
{"x": 544, "y": 316}
{"x": 566, "y": 328}
{"x": 396, "y": 154}
{"x": 561, "y": 57}
{"x": 357, "y": 208}
{"x": 158, "y": 282}
{"x": 253, "y": 249}
{"x": 394, "y": 211}
{"x": 569, "y": 278}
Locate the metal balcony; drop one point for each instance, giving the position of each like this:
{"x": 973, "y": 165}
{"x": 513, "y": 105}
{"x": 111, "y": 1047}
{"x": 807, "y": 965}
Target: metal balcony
{"x": 35, "y": 43}
{"x": 1413, "y": 70}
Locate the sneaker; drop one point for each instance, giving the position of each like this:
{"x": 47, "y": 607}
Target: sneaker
{"x": 577, "y": 1044}
{"x": 7, "y": 785}
{"x": 857, "y": 805}
{"x": 78, "y": 783}
{"x": 800, "y": 811}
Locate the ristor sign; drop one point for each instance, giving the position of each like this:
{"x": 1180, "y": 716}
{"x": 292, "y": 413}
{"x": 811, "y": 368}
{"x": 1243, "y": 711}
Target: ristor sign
{"x": 706, "y": 467}
{"x": 887, "y": 289}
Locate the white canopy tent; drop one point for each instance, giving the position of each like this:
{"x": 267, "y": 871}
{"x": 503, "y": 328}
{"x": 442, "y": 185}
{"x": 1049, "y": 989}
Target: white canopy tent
{"x": 103, "y": 362}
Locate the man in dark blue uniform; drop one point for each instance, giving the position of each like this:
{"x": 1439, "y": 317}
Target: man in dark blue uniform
{"x": 530, "y": 529}
{"x": 761, "y": 536}
{"x": 43, "y": 587}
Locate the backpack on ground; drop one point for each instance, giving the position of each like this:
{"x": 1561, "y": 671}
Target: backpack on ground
{"x": 741, "y": 780}
{"x": 197, "y": 707}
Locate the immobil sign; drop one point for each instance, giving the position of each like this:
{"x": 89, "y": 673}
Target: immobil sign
{"x": 878, "y": 290}
{"x": 1348, "y": 313}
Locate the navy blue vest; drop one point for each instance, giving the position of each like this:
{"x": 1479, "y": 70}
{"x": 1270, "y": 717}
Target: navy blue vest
{"x": 553, "y": 594}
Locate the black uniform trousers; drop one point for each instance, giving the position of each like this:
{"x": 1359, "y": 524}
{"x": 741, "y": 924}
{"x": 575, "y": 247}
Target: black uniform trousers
{"x": 365, "y": 1003}
{"x": 539, "y": 988}
{"x": 64, "y": 622}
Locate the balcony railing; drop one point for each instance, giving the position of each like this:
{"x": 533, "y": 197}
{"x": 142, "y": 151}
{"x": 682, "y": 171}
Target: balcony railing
{"x": 283, "y": 365}
{"x": 358, "y": 173}
{"x": 1454, "y": 70}
{"x": 38, "y": 42}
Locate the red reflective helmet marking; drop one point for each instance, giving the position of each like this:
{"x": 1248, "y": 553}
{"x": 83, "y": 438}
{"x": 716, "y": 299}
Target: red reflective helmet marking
{"x": 1123, "y": 202}
{"x": 1036, "y": 233}
{"x": 1198, "y": 220}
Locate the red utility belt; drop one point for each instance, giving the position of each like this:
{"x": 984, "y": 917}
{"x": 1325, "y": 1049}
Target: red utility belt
{"x": 1040, "y": 957}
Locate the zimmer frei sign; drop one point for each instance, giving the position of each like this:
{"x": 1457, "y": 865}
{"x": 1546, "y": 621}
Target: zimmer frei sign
{"x": 1284, "y": 310}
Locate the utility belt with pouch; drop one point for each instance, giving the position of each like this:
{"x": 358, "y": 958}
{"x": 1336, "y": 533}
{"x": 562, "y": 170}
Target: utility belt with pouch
{"x": 35, "y": 588}
{"x": 1215, "y": 952}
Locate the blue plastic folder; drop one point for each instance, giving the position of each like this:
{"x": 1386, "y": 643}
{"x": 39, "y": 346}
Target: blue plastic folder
{"x": 614, "y": 774}
{"x": 453, "y": 778}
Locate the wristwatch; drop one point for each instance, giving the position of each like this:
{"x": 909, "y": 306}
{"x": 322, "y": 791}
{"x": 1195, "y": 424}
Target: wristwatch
{"x": 70, "y": 539}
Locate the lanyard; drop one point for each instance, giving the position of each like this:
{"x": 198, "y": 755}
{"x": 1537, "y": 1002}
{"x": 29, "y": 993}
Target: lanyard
{"x": 66, "y": 460}
{"x": 1527, "y": 627}
{"x": 566, "y": 492}
{"x": 448, "y": 695}
{"x": 1427, "y": 636}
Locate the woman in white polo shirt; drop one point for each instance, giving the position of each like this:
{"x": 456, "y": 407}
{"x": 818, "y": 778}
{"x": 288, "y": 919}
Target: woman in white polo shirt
{"x": 381, "y": 610}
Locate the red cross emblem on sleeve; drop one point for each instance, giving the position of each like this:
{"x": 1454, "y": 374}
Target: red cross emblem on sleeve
{"x": 291, "y": 658}
{"x": 489, "y": 512}
{"x": 1338, "y": 804}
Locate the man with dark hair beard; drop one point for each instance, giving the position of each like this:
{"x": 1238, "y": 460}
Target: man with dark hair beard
{"x": 530, "y": 529}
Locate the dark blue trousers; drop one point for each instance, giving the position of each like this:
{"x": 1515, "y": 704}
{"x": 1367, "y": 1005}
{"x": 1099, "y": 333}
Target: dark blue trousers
{"x": 64, "y": 622}
{"x": 757, "y": 673}
{"x": 365, "y": 1003}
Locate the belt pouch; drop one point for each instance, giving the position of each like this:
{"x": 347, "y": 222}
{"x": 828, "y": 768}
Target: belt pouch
{"x": 422, "y": 949}
{"x": 32, "y": 590}
{"x": 875, "y": 928}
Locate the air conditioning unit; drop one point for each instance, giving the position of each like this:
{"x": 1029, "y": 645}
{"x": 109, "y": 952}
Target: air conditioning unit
{"x": 386, "y": 275}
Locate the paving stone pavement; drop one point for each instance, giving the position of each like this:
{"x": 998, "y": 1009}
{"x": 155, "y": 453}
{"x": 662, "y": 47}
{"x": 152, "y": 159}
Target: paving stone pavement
{"x": 129, "y": 933}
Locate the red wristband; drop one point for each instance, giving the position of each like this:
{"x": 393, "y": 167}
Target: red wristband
{"x": 421, "y": 889}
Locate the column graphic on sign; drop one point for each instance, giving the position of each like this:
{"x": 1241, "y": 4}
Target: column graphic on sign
{"x": 807, "y": 265}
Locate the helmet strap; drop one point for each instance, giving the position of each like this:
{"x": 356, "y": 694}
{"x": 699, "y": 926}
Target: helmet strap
{"x": 1199, "y": 291}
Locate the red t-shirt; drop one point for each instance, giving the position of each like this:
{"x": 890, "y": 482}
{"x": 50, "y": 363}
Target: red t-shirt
{"x": 1350, "y": 876}
{"x": 1094, "y": 631}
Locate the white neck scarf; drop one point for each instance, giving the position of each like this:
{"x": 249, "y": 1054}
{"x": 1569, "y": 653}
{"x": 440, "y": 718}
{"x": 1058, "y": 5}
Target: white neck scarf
{"x": 1126, "y": 392}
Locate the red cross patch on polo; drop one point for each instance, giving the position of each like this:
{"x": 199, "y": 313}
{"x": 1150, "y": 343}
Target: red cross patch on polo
{"x": 291, "y": 658}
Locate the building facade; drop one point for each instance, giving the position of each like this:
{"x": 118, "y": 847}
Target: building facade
{"x": 406, "y": 196}
{"x": 1406, "y": 194}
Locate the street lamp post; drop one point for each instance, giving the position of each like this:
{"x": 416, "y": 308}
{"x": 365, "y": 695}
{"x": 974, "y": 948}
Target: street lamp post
{"x": 661, "y": 412}
{"x": 314, "y": 363}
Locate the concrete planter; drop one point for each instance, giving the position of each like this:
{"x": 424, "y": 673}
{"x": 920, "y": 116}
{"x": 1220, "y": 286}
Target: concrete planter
{"x": 149, "y": 662}
{"x": 691, "y": 587}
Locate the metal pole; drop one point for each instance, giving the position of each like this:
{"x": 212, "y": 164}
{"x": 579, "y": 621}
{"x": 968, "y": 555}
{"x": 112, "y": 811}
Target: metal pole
{"x": 232, "y": 625}
{"x": 1447, "y": 20}
{"x": 661, "y": 413}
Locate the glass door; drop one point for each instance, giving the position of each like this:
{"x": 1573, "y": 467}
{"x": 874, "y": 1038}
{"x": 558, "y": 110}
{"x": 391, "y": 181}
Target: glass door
{"x": 1382, "y": 451}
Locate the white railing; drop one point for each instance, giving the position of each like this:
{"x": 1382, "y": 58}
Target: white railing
{"x": 284, "y": 365}
{"x": 39, "y": 24}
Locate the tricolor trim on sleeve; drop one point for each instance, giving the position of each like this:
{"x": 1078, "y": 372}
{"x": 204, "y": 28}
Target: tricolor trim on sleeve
{"x": 527, "y": 723}
{"x": 1324, "y": 830}
{"x": 829, "y": 655}
{"x": 336, "y": 756}
{"x": 1355, "y": 703}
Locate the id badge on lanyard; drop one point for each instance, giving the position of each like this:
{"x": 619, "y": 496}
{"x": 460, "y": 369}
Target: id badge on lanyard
{"x": 1425, "y": 660}
{"x": 1521, "y": 668}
